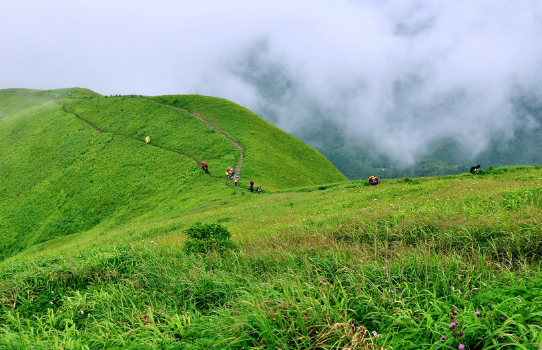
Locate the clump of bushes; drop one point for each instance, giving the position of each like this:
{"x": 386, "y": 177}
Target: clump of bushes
{"x": 204, "y": 238}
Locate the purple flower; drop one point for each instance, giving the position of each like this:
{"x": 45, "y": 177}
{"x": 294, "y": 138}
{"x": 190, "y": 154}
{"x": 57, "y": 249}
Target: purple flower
{"x": 478, "y": 313}
{"x": 489, "y": 304}
{"x": 460, "y": 333}
{"x": 451, "y": 316}
{"x": 442, "y": 338}
{"x": 461, "y": 346}
{"x": 503, "y": 318}
{"x": 453, "y": 324}
{"x": 455, "y": 312}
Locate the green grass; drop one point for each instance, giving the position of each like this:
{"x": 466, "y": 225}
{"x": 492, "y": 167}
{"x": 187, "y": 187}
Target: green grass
{"x": 335, "y": 265}
{"x": 273, "y": 158}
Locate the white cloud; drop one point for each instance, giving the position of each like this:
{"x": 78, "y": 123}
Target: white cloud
{"x": 422, "y": 69}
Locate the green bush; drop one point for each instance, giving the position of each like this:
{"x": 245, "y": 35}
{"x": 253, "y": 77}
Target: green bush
{"x": 204, "y": 238}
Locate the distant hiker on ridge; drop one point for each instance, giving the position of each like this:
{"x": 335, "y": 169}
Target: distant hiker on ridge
{"x": 147, "y": 139}
{"x": 251, "y": 186}
{"x": 474, "y": 169}
{"x": 373, "y": 180}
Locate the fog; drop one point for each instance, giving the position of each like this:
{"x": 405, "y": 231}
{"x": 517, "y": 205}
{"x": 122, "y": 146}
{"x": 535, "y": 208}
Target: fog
{"x": 397, "y": 73}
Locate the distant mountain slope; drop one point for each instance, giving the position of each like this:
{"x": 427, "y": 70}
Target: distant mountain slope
{"x": 273, "y": 157}
{"x": 59, "y": 175}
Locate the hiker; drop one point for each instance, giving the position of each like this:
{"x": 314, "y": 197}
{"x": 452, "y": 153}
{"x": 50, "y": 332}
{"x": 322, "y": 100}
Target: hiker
{"x": 205, "y": 167}
{"x": 259, "y": 189}
{"x": 236, "y": 180}
{"x": 228, "y": 172}
{"x": 69, "y": 93}
{"x": 251, "y": 186}
{"x": 56, "y": 96}
{"x": 474, "y": 169}
{"x": 147, "y": 139}
{"x": 232, "y": 172}
{"x": 373, "y": 180}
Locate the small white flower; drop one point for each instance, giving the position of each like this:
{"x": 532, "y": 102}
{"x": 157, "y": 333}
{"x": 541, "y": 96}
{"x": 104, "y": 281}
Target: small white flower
{"x": 50, "y": 302}
{"x": 82, "y": 312}
{"x": 374, "y": 333}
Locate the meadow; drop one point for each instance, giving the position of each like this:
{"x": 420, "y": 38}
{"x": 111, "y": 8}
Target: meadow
{"x": 450, "y": 262}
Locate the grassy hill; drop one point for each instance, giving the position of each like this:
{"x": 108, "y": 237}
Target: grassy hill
{"x": 323, "y": 266}
{"x": 61, "y": 175}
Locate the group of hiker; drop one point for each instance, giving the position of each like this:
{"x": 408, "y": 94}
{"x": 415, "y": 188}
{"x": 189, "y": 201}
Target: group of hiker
{"x": 230, "y": 173}
{"x": 373, "y": 180}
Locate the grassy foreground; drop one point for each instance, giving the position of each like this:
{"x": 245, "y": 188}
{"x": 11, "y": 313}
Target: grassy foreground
{"x": 343, "y": 267}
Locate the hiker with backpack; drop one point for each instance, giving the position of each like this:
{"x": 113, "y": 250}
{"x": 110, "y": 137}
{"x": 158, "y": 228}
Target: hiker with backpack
{"x": 474, "y": 169}
{"x": 251, "y": 186}
{"x": 373, "y": 180}
{"x": 236, "y": 180}
{"x": 205, "y": 167}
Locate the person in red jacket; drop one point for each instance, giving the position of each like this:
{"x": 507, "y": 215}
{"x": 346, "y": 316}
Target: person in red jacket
{"x": 205, "y": 167}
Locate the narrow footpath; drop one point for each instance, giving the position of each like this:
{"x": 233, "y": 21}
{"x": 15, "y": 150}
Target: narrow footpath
{"x": 236, "y": 144}
{"x": 219, "y": 131}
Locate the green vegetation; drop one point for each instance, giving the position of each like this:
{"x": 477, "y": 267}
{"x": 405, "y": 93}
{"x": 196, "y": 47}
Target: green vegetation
{"x": 206, "y": 238}
{"x": 273, "y": 157}
{"x": 326, "y": 266}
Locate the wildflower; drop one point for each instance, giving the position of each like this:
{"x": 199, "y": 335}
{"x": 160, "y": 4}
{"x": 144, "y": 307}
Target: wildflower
{"x": 50, "y": 302}
{"x": 442, "y": 338}
{"x": 478, "y": 313}
{"x": 374, "y": 333}
{"x": 453, "y": 324}
{"x": 503, "y": 318}
{"x": 451, "y": 316}
{"x": 461, "y": 346}
{"x": 82, "y": 312}
{"x": 489, "y": 304}
{"x": 460, "y": 333}
{"x": 455, "y": 312}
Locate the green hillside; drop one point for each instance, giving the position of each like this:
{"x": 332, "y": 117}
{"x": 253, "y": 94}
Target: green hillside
{"x": 278, "y": 159}
{"x": 93, "y": 226}
{"x": 61, "y": 175}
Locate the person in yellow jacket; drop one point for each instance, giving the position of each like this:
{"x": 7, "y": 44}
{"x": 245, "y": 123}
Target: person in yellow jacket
{"x": 147, "y": 139}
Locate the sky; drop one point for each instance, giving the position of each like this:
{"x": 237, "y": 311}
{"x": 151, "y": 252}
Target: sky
{"x": 398, "y": 73}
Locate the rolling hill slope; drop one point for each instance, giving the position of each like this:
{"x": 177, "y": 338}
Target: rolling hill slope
{"x": 61, "y": 175}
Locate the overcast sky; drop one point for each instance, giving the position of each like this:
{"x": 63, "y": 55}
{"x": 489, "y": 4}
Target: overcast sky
{"x": 399, "y": 72}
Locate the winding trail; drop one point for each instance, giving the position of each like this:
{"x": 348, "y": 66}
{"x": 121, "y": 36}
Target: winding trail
{"x": 217, "y": 129}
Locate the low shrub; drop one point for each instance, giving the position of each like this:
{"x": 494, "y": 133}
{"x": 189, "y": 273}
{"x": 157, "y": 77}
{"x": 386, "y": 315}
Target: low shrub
{"x": 204, "y": 238}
